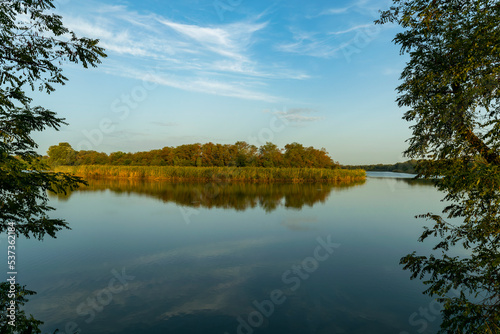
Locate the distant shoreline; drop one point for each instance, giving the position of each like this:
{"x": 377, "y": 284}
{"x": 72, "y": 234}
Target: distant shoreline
{"x": 217, "y": 174}
{"x": 399, "y": 167}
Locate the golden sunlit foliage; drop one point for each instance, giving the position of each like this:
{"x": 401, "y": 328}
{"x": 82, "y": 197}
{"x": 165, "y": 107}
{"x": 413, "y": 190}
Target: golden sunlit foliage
{"x": 247, "y": 174}
{"x": 240, "y": 154}
{"x": 239, "y": 196}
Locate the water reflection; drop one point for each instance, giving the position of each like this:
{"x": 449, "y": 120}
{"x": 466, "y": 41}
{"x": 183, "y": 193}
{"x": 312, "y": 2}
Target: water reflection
{"x": 237, "y": 196}
{"x": 205, "y": 276}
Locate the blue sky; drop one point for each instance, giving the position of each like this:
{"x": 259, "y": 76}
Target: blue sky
{"x": 178, "y": 72}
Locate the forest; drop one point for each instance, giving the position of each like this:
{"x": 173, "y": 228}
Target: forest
{"x": 240, "y": 154}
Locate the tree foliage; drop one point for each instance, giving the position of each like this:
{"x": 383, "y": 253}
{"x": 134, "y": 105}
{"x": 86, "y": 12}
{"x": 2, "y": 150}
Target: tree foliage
{"x": 33, "y": 46}
{"x": 24, "y": 324}
{"x": 240, "y": 154}
{"x": 398, "y": 167}
{"x": 451, "y": 87}
{"x": 62, "y": 154}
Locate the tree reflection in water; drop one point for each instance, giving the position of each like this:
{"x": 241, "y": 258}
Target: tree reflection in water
{"x": 228, "y": 195}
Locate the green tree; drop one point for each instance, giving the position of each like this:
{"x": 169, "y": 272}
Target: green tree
{"x": 322, "y": 159}
{"x": 33, "y": 44}
{"x": 187, "y": 155}
{"x": 218, "y": 155}
{"x": 229, "y": 154}
{"x": 207, "y": 154}
{"x": 167, "y": 156}
{"x": 246, "y": 154}
{"x": 270, "y": 155}
{"x": 91, "y": 158}
{"x": 294, "y": 155}
{"x": 298, "y": 156}
{"x": 451, "y": 87}
{"x": 62, "y": 154}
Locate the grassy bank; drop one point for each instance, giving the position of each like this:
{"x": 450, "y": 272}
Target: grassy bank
{"x": 210, "y": 174}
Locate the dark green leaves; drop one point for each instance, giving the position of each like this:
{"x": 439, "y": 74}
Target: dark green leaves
{"x": 33, "y": 46}
{"x": 24, "y": 323}
{"x": 451, "y": 87}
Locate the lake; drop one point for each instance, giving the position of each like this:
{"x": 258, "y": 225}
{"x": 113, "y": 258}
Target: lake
{"x": 157, "y": 257}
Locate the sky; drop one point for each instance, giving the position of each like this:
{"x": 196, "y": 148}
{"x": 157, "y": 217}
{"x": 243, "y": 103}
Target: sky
{"x": 319, "y": 73}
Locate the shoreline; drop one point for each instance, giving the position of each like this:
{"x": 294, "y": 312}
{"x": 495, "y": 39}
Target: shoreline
{"x": 215, "y": 174}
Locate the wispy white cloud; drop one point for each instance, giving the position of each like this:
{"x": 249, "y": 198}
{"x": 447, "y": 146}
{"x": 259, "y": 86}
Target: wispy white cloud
{"x": 311, "y": 44}
{"x": 296, "y": 115}
{"x": 250, "y": 69}
{"x": 194, "y": 83}
{"x": 367, "y": 7}
{"x": 355, "y": 28}
{"x": 335, "y": 11}
{"x": 115, "y": 35}
{"x": 214, "y": 59}
{"x": 322, "y": 43}
{"x": 229, "y": 41}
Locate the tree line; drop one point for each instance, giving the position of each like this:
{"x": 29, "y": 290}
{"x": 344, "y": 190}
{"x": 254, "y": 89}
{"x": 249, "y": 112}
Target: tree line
{"x": 399, "y": 167}
{"x": 240, "y": 154}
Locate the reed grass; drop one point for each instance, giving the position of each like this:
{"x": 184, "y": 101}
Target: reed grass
{"x": 211, "y": 174}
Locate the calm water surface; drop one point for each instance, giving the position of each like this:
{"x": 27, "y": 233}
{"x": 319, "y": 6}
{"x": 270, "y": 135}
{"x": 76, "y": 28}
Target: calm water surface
{"x": 233, "y": 258}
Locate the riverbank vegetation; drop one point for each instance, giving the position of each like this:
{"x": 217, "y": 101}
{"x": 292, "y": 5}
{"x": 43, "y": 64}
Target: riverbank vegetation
{"x": 240, "y": 154}
{"x": 399, "y": 167}
{"x": 216, "y": 174}
{"x": 207, "y": 162}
